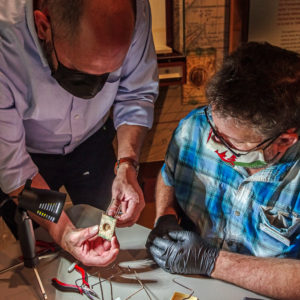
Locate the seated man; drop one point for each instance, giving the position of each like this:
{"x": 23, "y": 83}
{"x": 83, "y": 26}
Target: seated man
{"x": 232, "y": 168}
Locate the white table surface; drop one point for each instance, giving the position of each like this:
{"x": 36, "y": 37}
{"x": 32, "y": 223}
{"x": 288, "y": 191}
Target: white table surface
{"x": 21, "y": 283}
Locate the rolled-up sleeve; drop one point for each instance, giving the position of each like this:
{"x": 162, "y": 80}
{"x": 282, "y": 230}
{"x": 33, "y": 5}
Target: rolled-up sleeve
{"x": 171, "y": 159}
{"x": 15, "y": 163}
{"x": 138, "y": 89}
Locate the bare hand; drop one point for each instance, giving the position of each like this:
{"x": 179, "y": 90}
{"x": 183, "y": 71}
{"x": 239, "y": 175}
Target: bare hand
{"x": 127, "y": 193}
{"x": 86, "y": 246}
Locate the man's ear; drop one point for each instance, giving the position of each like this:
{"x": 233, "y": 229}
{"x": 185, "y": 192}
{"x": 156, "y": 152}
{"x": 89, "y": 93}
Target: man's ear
{"x": 42, "y": 25}
{"x": 287, "y": 139}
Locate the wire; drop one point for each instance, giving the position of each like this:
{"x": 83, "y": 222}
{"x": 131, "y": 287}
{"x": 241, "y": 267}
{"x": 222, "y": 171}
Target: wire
{"x": 192, "y": 291}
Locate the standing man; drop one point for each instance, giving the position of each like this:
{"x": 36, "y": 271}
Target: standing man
{"x": 232, "y": 169}
{"x": 64, "y": 67}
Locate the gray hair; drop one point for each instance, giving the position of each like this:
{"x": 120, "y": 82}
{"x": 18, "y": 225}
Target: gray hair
{"x": 259, "y": 85}
{"x": 64, "y": 17}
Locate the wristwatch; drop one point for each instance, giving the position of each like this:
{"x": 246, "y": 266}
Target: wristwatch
{"x": 129, "y": 161}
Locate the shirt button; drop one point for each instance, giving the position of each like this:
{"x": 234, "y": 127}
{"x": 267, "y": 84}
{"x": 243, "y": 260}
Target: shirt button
{"x": 237, "y": 213}
{"x": 76, "y": 117}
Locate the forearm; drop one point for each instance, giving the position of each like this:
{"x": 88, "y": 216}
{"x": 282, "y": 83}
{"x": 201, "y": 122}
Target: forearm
{"x": 273, "y": 277}
{"x": 37, "y": 182}
{"x": 56, "y": 230}
{"x": 164, "y": 198}
{"x": 130, "y": 140}
{"x": 126, "y": 191}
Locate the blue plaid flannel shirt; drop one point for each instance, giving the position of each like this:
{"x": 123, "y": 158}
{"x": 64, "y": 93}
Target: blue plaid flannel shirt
{"x": 257, "y": 215}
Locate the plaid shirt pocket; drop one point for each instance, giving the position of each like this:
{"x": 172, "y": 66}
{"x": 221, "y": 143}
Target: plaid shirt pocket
{"x": 279, "y": 224}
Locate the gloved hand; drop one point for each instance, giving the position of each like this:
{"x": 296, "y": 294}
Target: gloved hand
{"x": 162, "y": 227}
{"x": 186, "y": 253}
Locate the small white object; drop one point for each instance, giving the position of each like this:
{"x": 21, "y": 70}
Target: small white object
{"x": 72, "y": 266}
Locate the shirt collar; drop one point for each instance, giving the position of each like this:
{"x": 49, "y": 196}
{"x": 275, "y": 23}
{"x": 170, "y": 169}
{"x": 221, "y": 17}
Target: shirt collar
{"x": 31, "y": 27}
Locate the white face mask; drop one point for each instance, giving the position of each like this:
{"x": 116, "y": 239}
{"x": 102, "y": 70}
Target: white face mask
{"x": 253, "y": 160}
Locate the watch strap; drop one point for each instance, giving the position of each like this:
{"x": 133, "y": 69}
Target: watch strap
{"x": 127, "y": 160}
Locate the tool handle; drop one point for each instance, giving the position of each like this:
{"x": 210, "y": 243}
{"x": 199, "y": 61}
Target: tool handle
{"x": 83, "y": 275}
{"x": 47, "y": 245}
{"x": 65, "y": 287}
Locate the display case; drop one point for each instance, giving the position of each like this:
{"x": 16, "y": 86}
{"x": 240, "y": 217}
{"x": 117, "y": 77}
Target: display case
{"x": 168, "y": 35}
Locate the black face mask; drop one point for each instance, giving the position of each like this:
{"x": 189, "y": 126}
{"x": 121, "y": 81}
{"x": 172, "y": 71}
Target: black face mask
{"x": 78, "y": 83}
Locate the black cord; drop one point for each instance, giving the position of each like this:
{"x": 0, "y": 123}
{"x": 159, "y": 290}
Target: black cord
{"x": 4, "y": 201}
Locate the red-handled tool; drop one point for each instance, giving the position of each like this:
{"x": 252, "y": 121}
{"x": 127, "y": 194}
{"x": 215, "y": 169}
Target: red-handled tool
{"x": 83, "y": 275}
{"x": 84, "y": 288}
{"x": 66, "y": 287}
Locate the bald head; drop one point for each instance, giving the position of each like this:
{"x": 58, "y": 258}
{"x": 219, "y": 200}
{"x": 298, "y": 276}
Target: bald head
{"x": 106, "y": 29}
{"x": 111, "y": 21}
{"x": 92, "y": 36}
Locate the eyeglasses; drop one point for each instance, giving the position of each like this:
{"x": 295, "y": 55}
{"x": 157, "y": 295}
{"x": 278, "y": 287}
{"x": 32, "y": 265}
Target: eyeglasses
{"x": 235, "y": 152}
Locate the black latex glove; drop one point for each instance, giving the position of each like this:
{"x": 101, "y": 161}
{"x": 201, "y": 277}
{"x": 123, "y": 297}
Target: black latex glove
{"x": 186, "y": 253}
{"x": 162, "y": 227}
